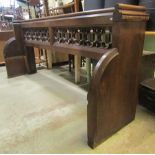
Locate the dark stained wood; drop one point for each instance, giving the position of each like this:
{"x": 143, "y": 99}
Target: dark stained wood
{"x": 99, "y": 11}
{"x": 103, "y": 105}
{"x": 115, "y": 37}
{"x": 46, "y": 7}
{"x": 19, "y": 37}
{"x": 14, "y": 60}
{"x": 113, "y": 102}
{"x": 30, "y": 60}
{"x": 34, "y": 44}
{"x": 71, "y": 21}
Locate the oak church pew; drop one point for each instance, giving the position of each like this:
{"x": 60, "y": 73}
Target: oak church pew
{"x": 114, "y": 37}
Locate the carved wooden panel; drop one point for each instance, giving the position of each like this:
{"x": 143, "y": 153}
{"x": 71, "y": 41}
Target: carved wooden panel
{"x": 36, "y": 34}
{"x": 99, "y": 36}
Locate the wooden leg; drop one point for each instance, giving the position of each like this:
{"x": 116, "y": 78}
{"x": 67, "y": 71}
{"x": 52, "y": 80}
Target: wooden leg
{"x": 88, "y": 69}
{"x": 39, "y": 57}
{"x": 49, "y": 59}
{"x": 46, "y": 58}
{"x": 77, "y": 68}
{"x": 105, "y": 107}
{"x": 70, "y": 61}
{"x": 30, "y": 60}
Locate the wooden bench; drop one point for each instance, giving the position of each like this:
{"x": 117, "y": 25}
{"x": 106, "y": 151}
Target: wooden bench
{"x": 114, "y": 37}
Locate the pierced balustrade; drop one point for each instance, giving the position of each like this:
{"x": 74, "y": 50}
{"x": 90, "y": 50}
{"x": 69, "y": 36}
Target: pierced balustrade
{"x": 100, "y": 37}
{"x": 37, "y": 34}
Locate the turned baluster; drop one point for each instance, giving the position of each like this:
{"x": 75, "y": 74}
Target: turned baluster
{"x": 69, "y": 36}
{"x": 55, "y": 35}
{"x": 103, "y": 37}
{"x": 33, "y": 35}
{"x": 81, "y": 42}
{"x": 92, "y": 37}
{"x": 108, "y": 38}
{"x": 74, "y": 36}
{"x": 88, "y": 37}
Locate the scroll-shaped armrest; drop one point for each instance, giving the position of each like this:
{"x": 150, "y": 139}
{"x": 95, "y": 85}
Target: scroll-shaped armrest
{"x": 109, "y": 105}
{"x": 101, "y": 66}
{"x": 14, "y": 59}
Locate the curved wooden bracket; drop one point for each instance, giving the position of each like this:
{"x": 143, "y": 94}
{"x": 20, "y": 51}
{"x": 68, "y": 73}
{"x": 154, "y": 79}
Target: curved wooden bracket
{"x": 11, "y": 49}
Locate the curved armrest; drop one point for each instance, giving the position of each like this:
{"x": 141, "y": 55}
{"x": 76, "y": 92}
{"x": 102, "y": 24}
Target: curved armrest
{"x": 101, "y": 66}
{"x": 11, "y": 49}
{"x": 103, "y": 88}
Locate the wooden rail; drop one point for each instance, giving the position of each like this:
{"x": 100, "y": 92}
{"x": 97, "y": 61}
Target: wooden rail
{"x": 113, "y": 36}
{"x": 150, "y": 33}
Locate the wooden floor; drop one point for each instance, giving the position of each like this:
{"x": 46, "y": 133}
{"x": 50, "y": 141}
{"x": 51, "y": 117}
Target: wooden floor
{"x": 44, "y": 113}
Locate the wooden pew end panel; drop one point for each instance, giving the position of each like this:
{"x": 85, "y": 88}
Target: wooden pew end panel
{"x": 19, "y": 63}
{"x": 14, "y": 59}
{"x": 106, "y": 111}
{"x": 112, "y": 95}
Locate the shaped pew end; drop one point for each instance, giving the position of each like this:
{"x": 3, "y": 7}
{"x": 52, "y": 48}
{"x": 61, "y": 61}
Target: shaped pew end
{"x": 106, "y": 111}
{"x": 18, "y": 63}
{"x": 14, "y": 59}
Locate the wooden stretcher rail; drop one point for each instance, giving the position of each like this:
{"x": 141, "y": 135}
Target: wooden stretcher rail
{"x": 37, "y": 45}
{"x": 94, "y": 53}
{"x": 113, "y": 36}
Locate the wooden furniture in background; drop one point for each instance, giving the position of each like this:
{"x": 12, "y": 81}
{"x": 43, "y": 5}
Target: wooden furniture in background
{"x": 46, "y": 7}
{"x": 66, "y": 8}
{"x": 61, "y": 9}
{"x": 115, "y": 37}
{"x": 15, "y": 60}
